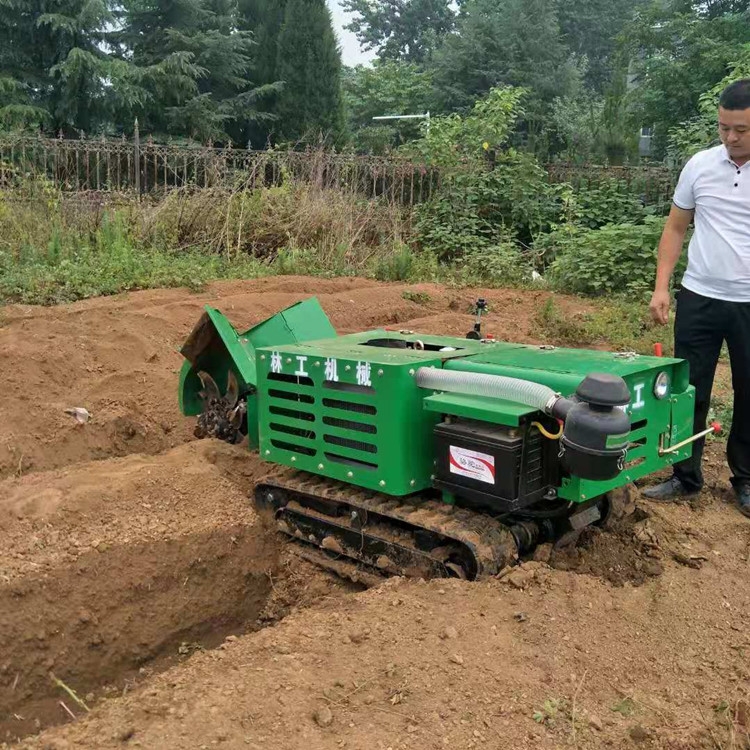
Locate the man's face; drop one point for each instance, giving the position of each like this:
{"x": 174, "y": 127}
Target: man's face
{"x": 734, "y": 131}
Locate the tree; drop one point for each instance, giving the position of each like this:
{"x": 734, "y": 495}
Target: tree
{"x": 309, "y": 65}
{"x": 195, "y": 64}
{"x": 408, "y": 30}
{"x": 264, "y": 19}
{"x": 590, "y": 29}
{"x": 387, "y": 88}
{"x": 23, "y": 74}
{"x": 57, "y": 69}
{"x": 701, "y": 132}
{"x": 506, "y": 43}
{"x": 680, "y": 51}
{"x": 457, "y": 140}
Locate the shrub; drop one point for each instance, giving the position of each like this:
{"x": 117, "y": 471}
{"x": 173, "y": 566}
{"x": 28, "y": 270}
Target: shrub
{"x": 610, "y": 201}
{"x": 480, "y": 209}
{"x": 616, "y": 259}
{"x": 504, "y": 264}
{"x": 262, "y": 222}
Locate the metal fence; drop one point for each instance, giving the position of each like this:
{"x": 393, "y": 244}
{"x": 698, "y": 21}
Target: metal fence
{"x": 655, "y": 184}
{"x": 143, "y": 167}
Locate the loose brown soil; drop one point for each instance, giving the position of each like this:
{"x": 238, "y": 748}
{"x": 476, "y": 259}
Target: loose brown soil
{"x": 135, "y": 572}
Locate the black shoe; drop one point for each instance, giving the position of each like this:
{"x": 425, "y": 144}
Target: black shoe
{"x": 743, "y": 499}
{"x": 671, "y": 491}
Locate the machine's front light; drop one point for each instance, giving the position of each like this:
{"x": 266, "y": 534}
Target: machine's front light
{"x": 661, "y": 386}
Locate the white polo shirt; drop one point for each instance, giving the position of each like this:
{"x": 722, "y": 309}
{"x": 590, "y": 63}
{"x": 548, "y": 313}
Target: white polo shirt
{"x": 719, "y": 252}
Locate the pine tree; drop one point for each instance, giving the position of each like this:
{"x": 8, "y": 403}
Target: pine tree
{"x": 56, "y": 68}
{"x": 196, "y": 63}
{"x": 23, "y": 80}
{"x": 309, "y": 65}
{"x": 264, "y": 19}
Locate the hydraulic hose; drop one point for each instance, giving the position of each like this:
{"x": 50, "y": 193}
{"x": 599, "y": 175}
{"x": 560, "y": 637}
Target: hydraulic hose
{"x": 491, "y": 386}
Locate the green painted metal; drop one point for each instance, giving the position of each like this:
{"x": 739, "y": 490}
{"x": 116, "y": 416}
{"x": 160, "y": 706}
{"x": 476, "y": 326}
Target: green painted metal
{"x": 348, "y": 407}
{"x": 655, "y": 422}
{"x": 359, "y": 420}
{"x": 214, "y": 346}
{"x": 398, "y": 458}
{"x": 498, "y": 411}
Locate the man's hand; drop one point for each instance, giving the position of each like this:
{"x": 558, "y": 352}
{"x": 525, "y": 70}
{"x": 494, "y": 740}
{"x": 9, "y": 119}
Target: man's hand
{"x": 659, "y": 307}
{"x": 670, "y": 249}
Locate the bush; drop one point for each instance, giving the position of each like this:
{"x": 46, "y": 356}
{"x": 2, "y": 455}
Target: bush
{"x": 504, "y": 265}
{"x": 616, "y": 259}
{"x": 481, "y": 209}
{"x": 404, "y": 264}
{"x": 261, "y": 222}
{"x": 610, "y": 201}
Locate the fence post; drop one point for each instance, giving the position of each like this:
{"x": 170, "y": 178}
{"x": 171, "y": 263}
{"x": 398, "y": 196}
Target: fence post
{"x": 137, "y": 159}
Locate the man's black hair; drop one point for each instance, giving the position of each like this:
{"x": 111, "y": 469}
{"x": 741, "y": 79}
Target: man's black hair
{"x": 736, "y": 95}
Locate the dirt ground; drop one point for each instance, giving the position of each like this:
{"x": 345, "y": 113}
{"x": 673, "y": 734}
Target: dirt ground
{"x": 144, "y": 604}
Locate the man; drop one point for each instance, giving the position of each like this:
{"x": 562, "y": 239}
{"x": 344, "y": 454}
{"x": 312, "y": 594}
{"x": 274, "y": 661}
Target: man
{"x": 713, "y": 302}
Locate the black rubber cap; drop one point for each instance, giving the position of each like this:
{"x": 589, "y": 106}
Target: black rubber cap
{"x": 603, "y": 389}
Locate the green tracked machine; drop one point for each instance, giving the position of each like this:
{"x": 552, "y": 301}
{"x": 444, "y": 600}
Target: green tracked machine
{"x": 413, "y": 454}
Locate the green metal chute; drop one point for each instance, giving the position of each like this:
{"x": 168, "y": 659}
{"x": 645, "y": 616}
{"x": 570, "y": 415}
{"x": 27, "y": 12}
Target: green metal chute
{"x": 215, "y": 352}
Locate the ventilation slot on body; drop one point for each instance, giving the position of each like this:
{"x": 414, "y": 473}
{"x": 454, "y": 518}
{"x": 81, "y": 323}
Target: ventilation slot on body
{"x": 348, "y": 424}
{"x": 298, "y": 431}
{"x": 304, "y": 416}
{"x": 303, "y": 449}
{"x": 355, "y": 464}
{"x": 349, "y": 387}
{"x": 301, "y": 398}
{"x": 333, "y": 403}
{"x": 293, "y": 379}
{"x": 355, "y": 445}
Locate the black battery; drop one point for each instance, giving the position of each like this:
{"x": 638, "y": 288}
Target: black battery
{"x": 492, "y": 466}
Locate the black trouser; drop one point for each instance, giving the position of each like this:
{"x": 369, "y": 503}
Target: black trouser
{"x": 701, "y": 327}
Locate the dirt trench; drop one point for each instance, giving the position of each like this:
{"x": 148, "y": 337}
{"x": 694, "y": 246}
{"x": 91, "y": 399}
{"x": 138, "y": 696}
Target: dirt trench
{"x": 99, "y": 619}
{"x": 113, "y": 570}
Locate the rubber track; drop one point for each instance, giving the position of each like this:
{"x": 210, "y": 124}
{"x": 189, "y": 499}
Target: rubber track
{"x": 490, "y": 542}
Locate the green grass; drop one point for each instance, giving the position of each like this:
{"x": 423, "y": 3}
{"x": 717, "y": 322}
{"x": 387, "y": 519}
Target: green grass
{"x": 617, "y": 324}
{"x": 73, "y": 266}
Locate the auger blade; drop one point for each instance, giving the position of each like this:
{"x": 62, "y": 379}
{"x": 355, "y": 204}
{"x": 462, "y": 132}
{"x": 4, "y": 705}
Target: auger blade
{"x": 233, "y": 391}
{"x": 210, "y": 390}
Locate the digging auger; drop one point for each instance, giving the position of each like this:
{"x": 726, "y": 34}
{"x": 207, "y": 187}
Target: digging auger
{"x": 426, "y": 455}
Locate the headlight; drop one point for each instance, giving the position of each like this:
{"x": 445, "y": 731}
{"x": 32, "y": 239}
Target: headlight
{"x": 661, "y": 386}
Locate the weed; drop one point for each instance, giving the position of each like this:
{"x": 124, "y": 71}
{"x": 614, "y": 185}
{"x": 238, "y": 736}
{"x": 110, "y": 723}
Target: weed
{"x": 420, "y": 298}
{"x": 550, "y": 712}
{"x": 397, "y": 266}
{"x": 618, "y": 324}
{"x": 626, "y": 707}
{"x": 109, "y": 260}
{"x": 721, "y": 411}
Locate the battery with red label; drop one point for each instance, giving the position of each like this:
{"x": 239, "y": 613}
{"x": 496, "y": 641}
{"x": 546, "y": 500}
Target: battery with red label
{"x": 493, "y": 466}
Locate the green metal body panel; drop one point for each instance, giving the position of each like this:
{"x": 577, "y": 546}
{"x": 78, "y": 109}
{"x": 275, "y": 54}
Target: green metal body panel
{"x": 495, "y": 410}
{"x": 397, "y": 457}
{"x": 353, "y": 412}
{"x": 651, "y": 418}
{"x": 349, "y": 407}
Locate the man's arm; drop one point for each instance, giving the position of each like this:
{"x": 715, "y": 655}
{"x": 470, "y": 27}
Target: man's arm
{"x": 670, "y": 249}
